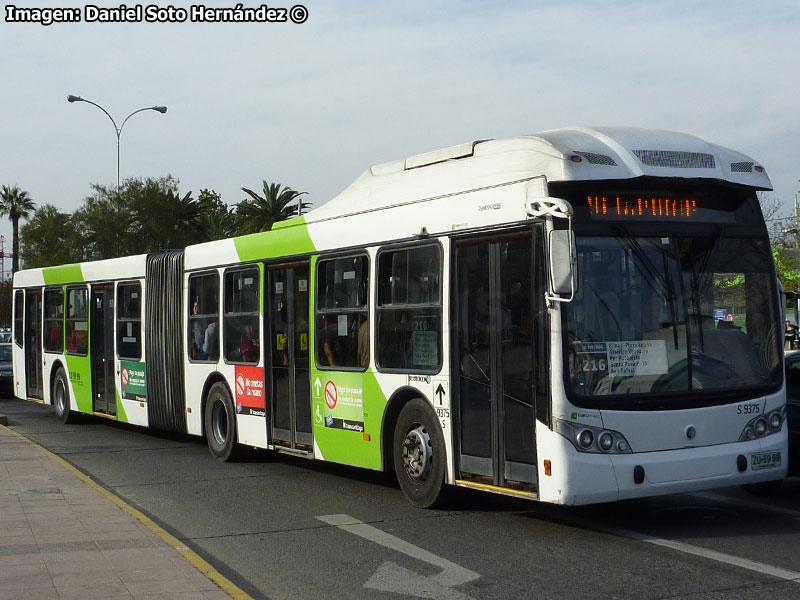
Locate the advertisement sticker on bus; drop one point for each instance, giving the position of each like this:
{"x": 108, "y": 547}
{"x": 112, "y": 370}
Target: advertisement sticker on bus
{"x": 133, "y": 384}
{"x": 339, "y": 402}
{"x": 250, "y": 391}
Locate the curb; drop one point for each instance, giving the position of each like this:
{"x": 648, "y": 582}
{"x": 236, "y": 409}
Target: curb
{"x": 191, "y": 557}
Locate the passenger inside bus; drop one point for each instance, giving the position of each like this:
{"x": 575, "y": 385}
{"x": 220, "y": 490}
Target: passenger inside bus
{"x": 249, "y": 347}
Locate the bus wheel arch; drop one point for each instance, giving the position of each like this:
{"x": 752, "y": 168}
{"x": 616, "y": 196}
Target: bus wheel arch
{"x": 59, "y": 394}
{"x": 219, "y": 420}
{"x": 419, "y": 454}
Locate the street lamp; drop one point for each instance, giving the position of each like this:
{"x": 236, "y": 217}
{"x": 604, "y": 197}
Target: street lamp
{"x": 161, "y": 109}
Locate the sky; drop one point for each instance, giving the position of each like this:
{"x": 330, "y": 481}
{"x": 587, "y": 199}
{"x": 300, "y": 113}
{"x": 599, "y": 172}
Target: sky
{"x": 313, "y": 105}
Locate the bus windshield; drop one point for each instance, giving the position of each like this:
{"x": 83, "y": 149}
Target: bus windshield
{"x": 668, "y": 320}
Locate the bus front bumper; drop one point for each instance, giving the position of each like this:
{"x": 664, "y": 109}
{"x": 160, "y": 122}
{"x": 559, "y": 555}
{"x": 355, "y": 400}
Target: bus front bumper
{"x": 586, "y": 478}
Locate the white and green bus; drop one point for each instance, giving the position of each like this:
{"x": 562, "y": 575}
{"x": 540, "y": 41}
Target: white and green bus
{"x": 581, "y": 315}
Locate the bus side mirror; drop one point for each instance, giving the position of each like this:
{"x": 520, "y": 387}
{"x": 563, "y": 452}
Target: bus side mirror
{"x": 562, "y": 254}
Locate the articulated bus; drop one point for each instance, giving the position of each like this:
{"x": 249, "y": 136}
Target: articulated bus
{"x": 577, "y": 316}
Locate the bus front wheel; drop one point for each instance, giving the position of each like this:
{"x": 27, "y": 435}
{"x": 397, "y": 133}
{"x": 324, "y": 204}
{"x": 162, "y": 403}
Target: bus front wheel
{"x": 220, "y": 422}
{"x": 419, "y": 456}
{"x": 60, "y": 397}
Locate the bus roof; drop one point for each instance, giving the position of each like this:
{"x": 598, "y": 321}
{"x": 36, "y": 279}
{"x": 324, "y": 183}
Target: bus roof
{"x": 569, "y": 154}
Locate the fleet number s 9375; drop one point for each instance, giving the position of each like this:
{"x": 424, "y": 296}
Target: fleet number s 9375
{"x": 751, "y": 408}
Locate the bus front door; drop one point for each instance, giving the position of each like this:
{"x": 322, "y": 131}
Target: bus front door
{"x": 494, "y": 353}
{"x": 102, "y": 350}
{"x": 33, "y": 344}
{"x": 289, "y": 375}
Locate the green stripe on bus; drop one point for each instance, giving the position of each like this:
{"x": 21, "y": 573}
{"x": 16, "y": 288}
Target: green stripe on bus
{"x": 63, "y": 274}
{"x": 284, "y": 240}
{"x": 80, "y": 379}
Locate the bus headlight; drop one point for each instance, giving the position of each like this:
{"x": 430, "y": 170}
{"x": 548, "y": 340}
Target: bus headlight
{"x": 586, "y": 438}
{"x": 605, "y": 441}
{"x": 775, "y": 420}
{"x": 763, "y": 425}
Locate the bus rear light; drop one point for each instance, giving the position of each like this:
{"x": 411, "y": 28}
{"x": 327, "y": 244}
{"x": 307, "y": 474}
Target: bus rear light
{"x": 548, "y": 470}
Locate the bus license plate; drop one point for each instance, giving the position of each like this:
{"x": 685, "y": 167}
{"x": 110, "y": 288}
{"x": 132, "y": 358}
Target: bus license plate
{"x": 765, "y": 460}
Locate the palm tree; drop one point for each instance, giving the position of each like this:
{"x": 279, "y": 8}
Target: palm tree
{"x": 260, "y": 213}
{"x": 17, "y": 204}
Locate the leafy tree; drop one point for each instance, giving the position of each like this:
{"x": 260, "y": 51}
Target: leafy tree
{"x": 217, "y": 219}
{"x": 105, "y": 221}
{"x": 17, "y": 204}
{"x": 146, "y": 215}
{"x": 787, "y": 265}
{"x": 260, "y": 213}
{"x": 51, "y": 238}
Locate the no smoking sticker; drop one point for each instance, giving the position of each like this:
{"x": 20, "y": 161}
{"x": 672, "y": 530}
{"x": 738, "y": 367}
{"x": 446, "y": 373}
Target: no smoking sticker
{"x": 330, "y": 395}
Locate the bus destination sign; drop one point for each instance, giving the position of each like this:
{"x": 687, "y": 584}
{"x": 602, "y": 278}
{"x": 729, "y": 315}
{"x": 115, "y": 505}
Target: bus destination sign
{"x": 644, "y": 207}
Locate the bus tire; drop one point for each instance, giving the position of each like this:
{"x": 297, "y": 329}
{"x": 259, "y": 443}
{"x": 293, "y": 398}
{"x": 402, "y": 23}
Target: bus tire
{"x": 419, "y": 454}
{"x": 59, "y": 397}
{"x": 220, "y": 422}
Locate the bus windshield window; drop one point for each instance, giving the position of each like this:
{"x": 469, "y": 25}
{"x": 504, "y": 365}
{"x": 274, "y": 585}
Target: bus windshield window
{"x": 672, "y": 314}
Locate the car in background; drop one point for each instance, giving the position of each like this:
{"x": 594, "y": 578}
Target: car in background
{"x": 6, "y": 375}
{"x": 792, "y": 365}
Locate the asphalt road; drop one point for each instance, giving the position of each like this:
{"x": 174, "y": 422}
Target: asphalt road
{"x": 281, "y": 527}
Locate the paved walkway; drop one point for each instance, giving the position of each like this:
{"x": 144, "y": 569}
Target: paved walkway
{"x": 62, "y": 536}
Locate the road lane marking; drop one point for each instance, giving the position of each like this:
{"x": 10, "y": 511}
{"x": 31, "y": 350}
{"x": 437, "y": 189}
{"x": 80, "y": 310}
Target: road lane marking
{"x": 795, "y": 514}
{"x": 722, "y": 557}
{"x": 394, "y": 578}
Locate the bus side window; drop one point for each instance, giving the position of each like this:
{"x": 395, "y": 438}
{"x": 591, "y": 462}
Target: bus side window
{"x": 19, "y": 317}
{"x": 203, "y": 340}
{"x": 129, "y": 320}
{"x": 53, "y": 320}
{"x": 240, "y": 319}
{"x": 342, "y": 323}
{"x": 77, "y": 321}
{"x": 409, "y": 310}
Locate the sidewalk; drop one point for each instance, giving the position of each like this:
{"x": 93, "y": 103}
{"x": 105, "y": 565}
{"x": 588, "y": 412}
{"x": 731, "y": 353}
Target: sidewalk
{"x": 62, "y": 536}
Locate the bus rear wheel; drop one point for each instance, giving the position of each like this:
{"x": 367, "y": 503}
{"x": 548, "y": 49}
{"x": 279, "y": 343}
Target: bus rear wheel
{"x": 59, "y": 397}
{"x": 220, "y": 422}
{"x": 419, "y": 456}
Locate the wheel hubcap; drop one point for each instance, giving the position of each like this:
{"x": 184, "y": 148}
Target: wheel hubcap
{"x": 60, "y": 398}
{"x": 219, "y": 423}
{"x": 417, "y": 453}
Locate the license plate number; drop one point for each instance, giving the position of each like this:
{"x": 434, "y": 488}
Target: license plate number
{"x": 765, "y": 460}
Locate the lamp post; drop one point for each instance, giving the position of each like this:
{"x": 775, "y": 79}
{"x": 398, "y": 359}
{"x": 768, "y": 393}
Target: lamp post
{"x": 161, "y": 109}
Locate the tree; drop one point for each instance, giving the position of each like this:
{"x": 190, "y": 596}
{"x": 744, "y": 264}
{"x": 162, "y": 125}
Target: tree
{"x": 217, "y": 219}
{"x": 145, "y": 215}
{"x": 260, "y": 213}
{"x": 17, "y": 204}
{"x": 51, "y": 238}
